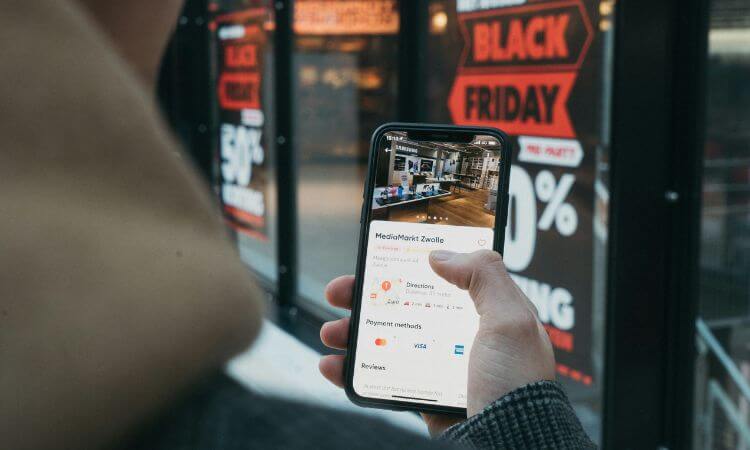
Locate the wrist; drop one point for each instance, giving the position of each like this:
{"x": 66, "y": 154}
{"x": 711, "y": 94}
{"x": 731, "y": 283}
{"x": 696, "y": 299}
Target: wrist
{"x": 537, "y": 415}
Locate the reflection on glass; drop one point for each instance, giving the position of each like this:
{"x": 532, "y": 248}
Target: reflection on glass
{"x": 722, "y": 397}
{"x": 345, "y": 87}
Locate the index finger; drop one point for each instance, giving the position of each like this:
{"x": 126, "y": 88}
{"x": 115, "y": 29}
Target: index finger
{"x": 339, "y": 291}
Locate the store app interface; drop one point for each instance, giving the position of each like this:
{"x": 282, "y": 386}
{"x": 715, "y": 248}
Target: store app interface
{"x": 416, "y": 329}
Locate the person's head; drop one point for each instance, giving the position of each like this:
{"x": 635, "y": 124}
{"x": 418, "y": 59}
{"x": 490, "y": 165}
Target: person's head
{"x": 135, "y": 293}
{"x": 140, "y": 29}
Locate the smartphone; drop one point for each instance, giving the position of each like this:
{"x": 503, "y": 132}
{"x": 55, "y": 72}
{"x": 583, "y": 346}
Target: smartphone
{"x": 429, "y": 187}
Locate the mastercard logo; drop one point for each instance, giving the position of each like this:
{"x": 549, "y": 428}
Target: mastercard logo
{"x": 380, "y": 342}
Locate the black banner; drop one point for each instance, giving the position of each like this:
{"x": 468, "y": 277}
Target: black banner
{"x": 240, "y": 39}
{"x": 535, "y": 71}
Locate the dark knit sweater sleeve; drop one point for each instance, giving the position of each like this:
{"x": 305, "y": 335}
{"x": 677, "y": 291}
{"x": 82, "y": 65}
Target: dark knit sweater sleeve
{"x": 536, "y": 416}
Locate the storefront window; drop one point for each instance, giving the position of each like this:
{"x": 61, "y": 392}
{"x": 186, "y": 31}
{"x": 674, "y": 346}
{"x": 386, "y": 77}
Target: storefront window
{"x": 722, "y": 397}
{"x": 242, "y": 48}
{"x": 345, "y": 81}
{"x": 541, "y": 72}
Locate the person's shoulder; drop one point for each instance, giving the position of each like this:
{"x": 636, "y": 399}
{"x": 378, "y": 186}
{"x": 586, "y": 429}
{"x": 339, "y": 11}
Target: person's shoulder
{"x": 221, "y": 414}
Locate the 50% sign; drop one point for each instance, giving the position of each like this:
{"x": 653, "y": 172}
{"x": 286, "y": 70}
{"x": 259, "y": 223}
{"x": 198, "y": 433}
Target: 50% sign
{"x": 523, "y": 218}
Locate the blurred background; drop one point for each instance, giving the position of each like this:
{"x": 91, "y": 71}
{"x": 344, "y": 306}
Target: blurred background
{"x": 630, "y": 189}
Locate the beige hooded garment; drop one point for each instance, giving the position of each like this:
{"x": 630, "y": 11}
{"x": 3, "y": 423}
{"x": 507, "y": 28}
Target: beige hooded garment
{"x": 118, "y": 286}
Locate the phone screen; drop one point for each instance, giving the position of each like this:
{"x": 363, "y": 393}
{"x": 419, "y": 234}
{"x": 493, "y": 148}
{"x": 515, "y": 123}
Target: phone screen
{"x": 415, "y": 329}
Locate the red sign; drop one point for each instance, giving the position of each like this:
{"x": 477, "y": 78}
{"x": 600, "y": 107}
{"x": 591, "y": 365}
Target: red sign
{"x": 540, "y": 37}
{"x": 518, "y": 67}
{"x": 331, "y": 17}
{"x": 243, "y": 56}
{"x": 529, "y": 104}
{"x": 239, "y": 90}
{"x": 544, "y": 36}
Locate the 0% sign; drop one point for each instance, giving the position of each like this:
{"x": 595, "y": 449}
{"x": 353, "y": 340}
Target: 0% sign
{"x": 523, "y": 218}
{"x": 554, "y": 193}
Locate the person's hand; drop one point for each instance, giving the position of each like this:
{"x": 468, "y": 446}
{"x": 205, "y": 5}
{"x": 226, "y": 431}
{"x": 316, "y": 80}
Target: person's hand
{"x": 336, "y": 335}
{"x": 511, "y": 348}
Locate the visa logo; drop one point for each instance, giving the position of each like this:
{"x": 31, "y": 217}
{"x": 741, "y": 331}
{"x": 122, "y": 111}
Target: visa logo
{"x": 422, "y": 346}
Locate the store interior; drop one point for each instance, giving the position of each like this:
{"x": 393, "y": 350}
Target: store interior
{"x": 437, "y": 182}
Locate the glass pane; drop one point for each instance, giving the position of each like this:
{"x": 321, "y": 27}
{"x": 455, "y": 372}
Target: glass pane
{"x": 542, "y": 73}
{"x": 345, "y": 79}
{"x": 723, "y": 363}
{"x": 242, "y": 44}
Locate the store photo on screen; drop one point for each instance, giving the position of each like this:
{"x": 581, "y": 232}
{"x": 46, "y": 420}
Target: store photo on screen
{"x": 446, "y": 183}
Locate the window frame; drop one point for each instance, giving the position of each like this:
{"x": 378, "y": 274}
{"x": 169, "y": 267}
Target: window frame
{"x": 660, "y": 57}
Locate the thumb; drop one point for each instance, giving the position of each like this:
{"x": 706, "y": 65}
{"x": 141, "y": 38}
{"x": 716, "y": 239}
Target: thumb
{"x": 482, "y": 273}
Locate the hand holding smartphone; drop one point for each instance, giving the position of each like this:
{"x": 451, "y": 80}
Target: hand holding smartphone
{"x": 429, "y": 188}
{"x": 437, "y": 324}
{"x": 510, "y": 350}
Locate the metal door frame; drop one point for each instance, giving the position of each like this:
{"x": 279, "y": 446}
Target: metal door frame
{"x": 657, "y": 147}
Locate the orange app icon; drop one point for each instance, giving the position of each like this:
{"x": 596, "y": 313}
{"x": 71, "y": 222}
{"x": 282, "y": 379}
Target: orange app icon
{"x": 380, "y": 342}
{"x": 386, "y": 285}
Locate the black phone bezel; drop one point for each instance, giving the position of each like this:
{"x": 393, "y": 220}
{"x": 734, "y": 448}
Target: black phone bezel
{"x": 440, "y": 132}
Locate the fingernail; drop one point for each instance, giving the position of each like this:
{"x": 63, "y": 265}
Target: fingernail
{"x": 442, "y": 255}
